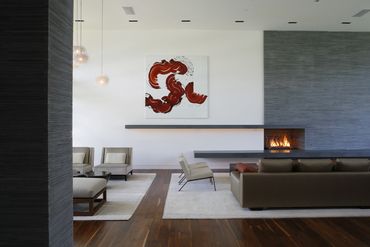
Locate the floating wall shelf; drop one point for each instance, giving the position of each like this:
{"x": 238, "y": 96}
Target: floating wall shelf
{"x": 212, "y": 126}
{"x": 293, "y": 154}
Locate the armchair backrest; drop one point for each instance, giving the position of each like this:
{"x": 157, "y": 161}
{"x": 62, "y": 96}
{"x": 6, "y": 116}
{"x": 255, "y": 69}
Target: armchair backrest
{"x": 126, "y": 150}
{"x": 184, "y": 165}
{"x": 89, "y": 154}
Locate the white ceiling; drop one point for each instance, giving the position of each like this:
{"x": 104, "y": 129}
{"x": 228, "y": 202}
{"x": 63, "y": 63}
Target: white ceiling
{"x": 325, "y": 15}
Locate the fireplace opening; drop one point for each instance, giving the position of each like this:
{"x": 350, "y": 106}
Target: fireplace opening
{"x": 284, "y": 139}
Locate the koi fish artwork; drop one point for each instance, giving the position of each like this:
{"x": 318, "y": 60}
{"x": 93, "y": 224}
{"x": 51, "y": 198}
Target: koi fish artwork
{"x": 174, "y": 73}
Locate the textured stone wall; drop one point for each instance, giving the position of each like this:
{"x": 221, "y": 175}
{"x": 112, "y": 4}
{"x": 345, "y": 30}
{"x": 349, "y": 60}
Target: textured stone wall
{"x": 321, "y": 80}
{"x": 35, "y": 125}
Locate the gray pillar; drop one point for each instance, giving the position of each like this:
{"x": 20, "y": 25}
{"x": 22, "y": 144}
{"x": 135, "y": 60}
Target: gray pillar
{"x": 36, "y": 122}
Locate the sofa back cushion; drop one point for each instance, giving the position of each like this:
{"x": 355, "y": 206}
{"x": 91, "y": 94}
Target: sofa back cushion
{"x": 275, "y": 165}
{"x": 315, "y": 165}
{"x": 352, "y": 165}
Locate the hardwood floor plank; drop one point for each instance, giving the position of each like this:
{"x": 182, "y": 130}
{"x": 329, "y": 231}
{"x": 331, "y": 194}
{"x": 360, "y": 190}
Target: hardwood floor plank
{"x": 147, "y": 228}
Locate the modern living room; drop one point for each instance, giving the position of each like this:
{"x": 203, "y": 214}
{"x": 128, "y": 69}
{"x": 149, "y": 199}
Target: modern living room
{"x": 237, "y": 124}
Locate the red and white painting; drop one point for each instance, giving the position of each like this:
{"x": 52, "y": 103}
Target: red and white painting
{"x": 176, "y": 87}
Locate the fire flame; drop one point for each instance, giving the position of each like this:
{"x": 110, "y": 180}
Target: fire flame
{"x": 277, "y": 142}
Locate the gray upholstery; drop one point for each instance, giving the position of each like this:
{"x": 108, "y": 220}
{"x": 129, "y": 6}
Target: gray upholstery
{"x": 315, "y": 165}
{"x": 302, "y": 189}
{"x": 275, "y": 165}
{"x": 116, "y": 168}
{"x": 352, "y": 165}
{"x": 88, "y": 161}
{"x": 87, "y": 187}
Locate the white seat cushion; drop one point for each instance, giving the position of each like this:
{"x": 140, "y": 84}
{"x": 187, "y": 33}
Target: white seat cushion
{"x": 87, "y": 187}
{"x": 115, "y": 158}
{"x": 79, "y": 165}
{"x": 198, "y": 173}
{"x": 112, "y": 165}
{"x": 198, "y": 165}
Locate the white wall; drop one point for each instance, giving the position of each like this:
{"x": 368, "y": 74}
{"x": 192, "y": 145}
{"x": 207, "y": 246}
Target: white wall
{"x": 235, "y": 94}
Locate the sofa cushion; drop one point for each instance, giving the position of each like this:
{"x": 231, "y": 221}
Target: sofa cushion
{"x": 275, "y": 165}
{"x": 315, "y": 165}
{"x": 78, "y": 158}
{"x": 115, "y": 158}
{"x": 246, "y": 167}
{"x": 352, "y": 165}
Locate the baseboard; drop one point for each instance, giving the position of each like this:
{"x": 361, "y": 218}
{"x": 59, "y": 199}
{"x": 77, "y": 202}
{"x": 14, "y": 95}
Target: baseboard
{"x": 161, "y": 167}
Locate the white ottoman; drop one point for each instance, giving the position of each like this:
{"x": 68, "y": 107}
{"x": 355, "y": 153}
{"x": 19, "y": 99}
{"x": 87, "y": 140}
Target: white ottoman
{"x": 88, "y": 190}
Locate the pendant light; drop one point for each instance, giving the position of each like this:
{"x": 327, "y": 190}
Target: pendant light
{"x": 102, "y": 79}
{"x": 79, "y": 52}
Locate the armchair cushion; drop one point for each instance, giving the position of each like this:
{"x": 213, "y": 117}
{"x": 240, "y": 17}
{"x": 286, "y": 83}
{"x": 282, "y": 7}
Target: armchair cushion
{"x": 78, "y": 158}
{"x": 79, "y": 165}
{"x": 112, "y": 165}
{"x": 200, "y": 173}
{"x": 115, "y": 158}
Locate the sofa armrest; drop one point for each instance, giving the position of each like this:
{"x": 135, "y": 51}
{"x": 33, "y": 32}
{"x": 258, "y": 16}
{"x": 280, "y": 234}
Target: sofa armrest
{"x": 236, "y": 186}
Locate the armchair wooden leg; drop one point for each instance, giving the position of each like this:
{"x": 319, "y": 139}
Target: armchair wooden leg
{"x": 214, "y": 183}
{"x": 91, "y": 206}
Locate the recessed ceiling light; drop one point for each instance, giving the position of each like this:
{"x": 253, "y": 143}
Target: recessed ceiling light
{"x": 362, "y": 13}
{"x": 185, "y": 20}
{"x": 129, "y": 10}
{"x": 133, "y": 21}
{"x": 292, "y": 22}
{"x": 239, "y": 21}
{"x": 346, "y": 22}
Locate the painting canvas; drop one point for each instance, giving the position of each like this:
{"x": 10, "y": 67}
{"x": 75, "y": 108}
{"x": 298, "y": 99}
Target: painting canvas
{"x": 176, "y": 87}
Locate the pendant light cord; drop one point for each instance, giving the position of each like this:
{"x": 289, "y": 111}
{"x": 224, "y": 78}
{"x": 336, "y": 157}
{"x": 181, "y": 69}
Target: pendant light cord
{"x": 80, "y": 22}
{"x": 77, "y": 24}
{"x": 101, "y": 38}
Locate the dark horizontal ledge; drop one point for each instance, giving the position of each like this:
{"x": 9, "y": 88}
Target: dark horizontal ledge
{"x": 295, "y": 154}
{"x": 211, "y": 126}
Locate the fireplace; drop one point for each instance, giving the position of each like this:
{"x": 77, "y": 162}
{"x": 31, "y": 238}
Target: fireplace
{"x": 284, "y": 139}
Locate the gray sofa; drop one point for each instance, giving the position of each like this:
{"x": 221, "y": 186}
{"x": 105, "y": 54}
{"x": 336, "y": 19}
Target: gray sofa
{"x": 309, "y": 183}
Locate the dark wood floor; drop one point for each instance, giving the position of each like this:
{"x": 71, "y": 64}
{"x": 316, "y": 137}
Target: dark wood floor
{"x": 147, "y": 228}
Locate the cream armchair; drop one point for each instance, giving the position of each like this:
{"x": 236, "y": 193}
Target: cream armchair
{"x": 195, "y": 172}
{"x": 190, "y": 166}
{"x": 83, "y": 159}
{"x": 116, "y": 160}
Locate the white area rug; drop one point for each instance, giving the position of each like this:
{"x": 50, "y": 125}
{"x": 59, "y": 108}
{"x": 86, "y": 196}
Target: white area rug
{"x": 123, "y": 197}
{"x": 198, "y": 200}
